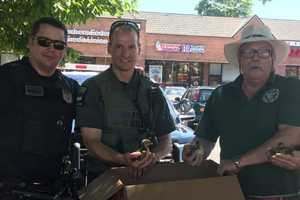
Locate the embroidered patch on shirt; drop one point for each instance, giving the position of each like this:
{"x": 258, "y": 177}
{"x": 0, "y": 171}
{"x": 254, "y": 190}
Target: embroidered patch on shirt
{"x": 67, "y": 96}
{"x": 271, "y": 95}
{"x": 34, "y": 90}
{"x": 81, "y": 96}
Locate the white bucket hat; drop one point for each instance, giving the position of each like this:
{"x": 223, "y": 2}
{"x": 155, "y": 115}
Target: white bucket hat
{"x": 256, "y": 34}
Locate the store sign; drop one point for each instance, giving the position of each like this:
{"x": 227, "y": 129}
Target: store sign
{"x": 294, "y": 48}
{"x": 88, "y": 36}
{"x": 293, "y": 43}
{"x": 179, "y": 48}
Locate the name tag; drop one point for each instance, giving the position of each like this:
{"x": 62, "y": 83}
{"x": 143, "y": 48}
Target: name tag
{"x": 34, "y": 90}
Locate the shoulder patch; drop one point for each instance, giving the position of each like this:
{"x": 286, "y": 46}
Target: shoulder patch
{"x": 81, "y": 96}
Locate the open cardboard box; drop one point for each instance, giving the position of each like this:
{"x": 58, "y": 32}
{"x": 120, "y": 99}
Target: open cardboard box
{"x": 167, "y": 181}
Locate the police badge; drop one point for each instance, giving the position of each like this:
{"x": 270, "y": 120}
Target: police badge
{"x": 271, "y": 95}
{"x": 67, "y": 96}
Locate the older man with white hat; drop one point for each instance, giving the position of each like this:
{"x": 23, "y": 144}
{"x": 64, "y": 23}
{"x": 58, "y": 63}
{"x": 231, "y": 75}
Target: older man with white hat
{"x": 254, "y": 115}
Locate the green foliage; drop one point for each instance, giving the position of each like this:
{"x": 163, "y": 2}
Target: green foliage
{"x": 226, "y": 8}
{"x": 17, "y": 16}
{"x": 72, "y": 56}
{"x": 264, "y": 1}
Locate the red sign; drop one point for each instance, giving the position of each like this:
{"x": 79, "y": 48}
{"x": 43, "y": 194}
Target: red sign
{"x": 294, "y": 52}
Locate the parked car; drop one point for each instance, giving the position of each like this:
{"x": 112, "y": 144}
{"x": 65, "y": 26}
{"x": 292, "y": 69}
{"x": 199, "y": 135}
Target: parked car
{"x": 194, "y": 98}
{"x": 182, "y": 135}
{"x": 173, "y": 92}
{"x": 79, "y": 76}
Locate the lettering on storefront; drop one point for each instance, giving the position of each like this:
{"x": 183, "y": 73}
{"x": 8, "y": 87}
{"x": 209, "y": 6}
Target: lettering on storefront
{"x": 88, "y": 36}
{"x": 294, "y": 48}
{"x": 179, "y": 48}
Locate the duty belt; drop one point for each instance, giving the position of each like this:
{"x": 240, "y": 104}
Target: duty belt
{"x": 26, "y": 190}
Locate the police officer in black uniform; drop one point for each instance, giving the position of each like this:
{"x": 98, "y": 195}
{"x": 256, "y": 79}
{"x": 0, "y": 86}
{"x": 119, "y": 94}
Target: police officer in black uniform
{"x": 36, "y": 114}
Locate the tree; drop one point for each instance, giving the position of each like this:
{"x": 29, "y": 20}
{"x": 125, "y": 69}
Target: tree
{"x": 17, "y": 16}
{"x": 226, "y": 8}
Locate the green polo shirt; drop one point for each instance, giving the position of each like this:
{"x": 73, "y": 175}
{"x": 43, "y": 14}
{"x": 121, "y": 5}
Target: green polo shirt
{"x": 91, "y": 111}
{"x": 244, "y": 124}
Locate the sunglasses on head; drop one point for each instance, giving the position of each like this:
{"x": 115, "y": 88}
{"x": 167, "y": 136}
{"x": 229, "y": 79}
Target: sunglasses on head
{"x": 120, "y": 23}
{"x": 46, "y": 42}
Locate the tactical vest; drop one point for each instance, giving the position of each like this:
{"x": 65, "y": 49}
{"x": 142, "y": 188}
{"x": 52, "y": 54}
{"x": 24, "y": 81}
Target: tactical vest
{"x": 124, "y": 126}
{"x": 40, "y": 122}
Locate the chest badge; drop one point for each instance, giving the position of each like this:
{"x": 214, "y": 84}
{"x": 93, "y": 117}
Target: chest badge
{"x": 271, "y": 95}
{"x": 67, "y": 96}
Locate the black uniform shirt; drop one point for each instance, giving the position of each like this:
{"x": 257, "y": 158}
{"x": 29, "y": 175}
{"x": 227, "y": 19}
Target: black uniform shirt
{"x": 244, "y": 124}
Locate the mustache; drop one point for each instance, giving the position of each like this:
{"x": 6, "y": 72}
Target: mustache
{"x": 254, "y": 66}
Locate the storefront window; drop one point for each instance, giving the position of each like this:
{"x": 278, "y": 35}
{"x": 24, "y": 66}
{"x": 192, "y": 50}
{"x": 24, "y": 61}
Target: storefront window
{"x": 178, "y": 73}
{"x": 215, "y": 74}
{"x": 293, "y": 71}
{"x": 87, "y": 60}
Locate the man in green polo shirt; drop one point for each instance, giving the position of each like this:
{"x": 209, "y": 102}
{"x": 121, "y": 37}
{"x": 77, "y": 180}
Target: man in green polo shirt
{"x": 251, "y": 115}
{"x": 120, "y": 108}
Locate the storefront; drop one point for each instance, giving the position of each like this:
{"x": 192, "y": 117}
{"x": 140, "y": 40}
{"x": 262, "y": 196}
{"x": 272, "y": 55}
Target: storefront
{"x": 182, "y": 49}
{"x": 175, "y": 72}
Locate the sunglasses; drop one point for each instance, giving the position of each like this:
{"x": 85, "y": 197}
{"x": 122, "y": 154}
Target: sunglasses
{"x": 120, "y": 23}
{"x": 46, "y": 42}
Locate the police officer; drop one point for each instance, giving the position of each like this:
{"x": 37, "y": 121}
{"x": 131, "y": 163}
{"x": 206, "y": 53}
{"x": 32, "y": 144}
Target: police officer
{"x": 118, "y": 108}
{"x": 37, "y": 109}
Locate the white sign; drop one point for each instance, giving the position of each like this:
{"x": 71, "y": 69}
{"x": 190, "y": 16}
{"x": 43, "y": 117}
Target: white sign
{"x": 88, "y": 36}
{"x": 155, "y": 73}
{"x": 294, "y": 43}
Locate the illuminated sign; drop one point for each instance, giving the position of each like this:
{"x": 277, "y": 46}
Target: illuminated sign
{"x": 179, "y": 48}
{"x": 293, "y": 43}
{"x": 88, "y": 36}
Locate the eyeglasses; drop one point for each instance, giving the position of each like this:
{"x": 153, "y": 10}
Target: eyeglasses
{"x": 46, "y": 42}
{"x": 119, "y": 23}
{"x": 262, "y": 53}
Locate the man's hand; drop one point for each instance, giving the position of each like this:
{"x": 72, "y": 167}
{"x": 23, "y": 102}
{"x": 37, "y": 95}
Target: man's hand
{"x": 287, "y": 161}
{"x": 139, "y": 162}
{"x": 227, "y": 167}
{"x": 191, "y": 155}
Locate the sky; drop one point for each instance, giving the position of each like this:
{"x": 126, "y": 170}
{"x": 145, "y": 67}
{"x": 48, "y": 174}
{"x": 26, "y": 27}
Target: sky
{"x": 276, "y": 9}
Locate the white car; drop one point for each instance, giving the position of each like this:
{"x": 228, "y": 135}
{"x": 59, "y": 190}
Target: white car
{"x": 173, "y": 92}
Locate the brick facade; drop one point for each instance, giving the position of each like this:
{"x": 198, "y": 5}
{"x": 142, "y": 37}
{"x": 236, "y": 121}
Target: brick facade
{"x": 213, "y": 46}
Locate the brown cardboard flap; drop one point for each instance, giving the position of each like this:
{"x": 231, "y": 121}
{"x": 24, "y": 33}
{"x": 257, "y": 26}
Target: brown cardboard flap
{"x": 103, "y": 187}
{"x": 164, "y": 181}
{"x": 217, "y": 188}
{"x": 170, "y": 172}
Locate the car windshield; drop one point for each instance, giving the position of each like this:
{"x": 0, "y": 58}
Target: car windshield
{"x": 175, "y": 91}
{"x": 80, "y": 77}
{"x": 204, "y": 95}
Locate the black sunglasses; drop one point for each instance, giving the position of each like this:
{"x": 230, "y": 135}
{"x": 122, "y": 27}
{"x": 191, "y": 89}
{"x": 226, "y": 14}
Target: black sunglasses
{"x": 46, "y": 42}
{"x": 119, "y": 23}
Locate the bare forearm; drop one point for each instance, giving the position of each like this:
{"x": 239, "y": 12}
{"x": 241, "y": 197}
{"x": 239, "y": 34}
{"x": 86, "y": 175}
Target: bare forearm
{"x": 107, "y": 154}
{"x": 92, "y": 140}
{"x": 164, "y": 147}
{"x": 288, "y": 135}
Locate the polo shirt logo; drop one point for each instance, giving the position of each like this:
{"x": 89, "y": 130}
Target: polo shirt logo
{"x": 271, "y": 95}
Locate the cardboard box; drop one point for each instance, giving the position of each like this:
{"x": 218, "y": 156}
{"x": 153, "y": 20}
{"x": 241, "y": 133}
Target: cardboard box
{"x": 167, "y": 181}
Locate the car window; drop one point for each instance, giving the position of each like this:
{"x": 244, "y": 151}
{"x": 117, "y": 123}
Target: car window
{"x": 80, "y": 77}
{"x": 188, "y": 94}
{"x": 204, "y": 95}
